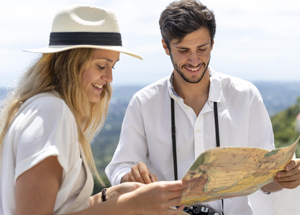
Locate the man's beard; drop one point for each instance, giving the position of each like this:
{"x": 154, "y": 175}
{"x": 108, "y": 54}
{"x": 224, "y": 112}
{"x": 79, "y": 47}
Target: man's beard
{"x": 184, "y": 77}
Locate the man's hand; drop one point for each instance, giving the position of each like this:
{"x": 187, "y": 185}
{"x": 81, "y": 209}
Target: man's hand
{"x": 290, "y": 177}
{"x": 139, "y": 173}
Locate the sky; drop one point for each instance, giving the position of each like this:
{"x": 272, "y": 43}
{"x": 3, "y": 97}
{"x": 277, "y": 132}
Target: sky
{"x": 257, "y": 40}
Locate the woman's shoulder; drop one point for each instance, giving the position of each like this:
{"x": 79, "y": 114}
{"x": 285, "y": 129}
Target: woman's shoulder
{"x": 49, "y": 99}
{"x": 46, "y": 102}
{"x": 47, "y": 107}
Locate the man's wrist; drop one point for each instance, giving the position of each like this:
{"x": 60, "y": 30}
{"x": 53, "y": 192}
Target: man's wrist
{"x": 264, "y": 191}
{"x": 271, "y": 187}
{"x": 124, "y": 178}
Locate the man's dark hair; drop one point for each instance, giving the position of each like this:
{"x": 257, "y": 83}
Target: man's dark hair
{"x": 183, "y": 17}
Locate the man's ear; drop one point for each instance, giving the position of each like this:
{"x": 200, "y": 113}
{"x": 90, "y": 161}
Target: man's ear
{"x": 165, "y": 47}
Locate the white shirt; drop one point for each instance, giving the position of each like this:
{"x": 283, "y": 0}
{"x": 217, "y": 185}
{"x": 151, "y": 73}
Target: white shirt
{"x": 44, "y": 126}
{"x": 146, "y": 130}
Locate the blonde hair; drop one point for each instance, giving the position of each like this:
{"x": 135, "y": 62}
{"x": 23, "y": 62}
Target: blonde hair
{"x": 62, "y": 72}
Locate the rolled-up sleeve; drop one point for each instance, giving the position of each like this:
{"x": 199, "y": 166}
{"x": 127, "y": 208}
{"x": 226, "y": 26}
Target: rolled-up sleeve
{"x": 132, "y": 147}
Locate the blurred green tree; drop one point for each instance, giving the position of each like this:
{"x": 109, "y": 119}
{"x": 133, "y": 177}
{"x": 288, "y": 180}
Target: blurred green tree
{"x": 284, "y": 126}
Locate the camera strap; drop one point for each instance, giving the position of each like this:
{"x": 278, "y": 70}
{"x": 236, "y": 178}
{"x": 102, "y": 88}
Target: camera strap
{"x": 173, "y": 130}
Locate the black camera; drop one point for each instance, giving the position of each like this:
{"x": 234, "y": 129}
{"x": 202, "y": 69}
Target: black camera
{"x": 199, "y": 210}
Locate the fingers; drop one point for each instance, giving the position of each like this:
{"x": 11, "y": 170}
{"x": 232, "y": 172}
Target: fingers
{"x": 176, "y": 185}
{"x": 289, "y": 184}
{"x": 131, "y": 177}
{"x": 174, "y": 201}
{"x": 140, "y": 173}
{"x": 170, "y": 192}
{"x": 292, "y": 164}
{"x": 158, "y": 197}
{"x": 153, "y": 177}
{"x": 290, "y": 178}
{"x": 143, "y": 172}
{"x": 125, "y": 178}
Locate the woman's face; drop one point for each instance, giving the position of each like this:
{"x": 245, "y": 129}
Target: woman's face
{"x": 99, "y": 73}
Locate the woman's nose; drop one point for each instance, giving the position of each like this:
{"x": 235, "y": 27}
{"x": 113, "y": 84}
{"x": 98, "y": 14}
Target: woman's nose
{"x": 108, "y": 77}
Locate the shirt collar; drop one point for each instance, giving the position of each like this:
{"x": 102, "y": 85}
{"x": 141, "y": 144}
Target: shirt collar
{"x": 215, "y": 87}
{"x": 171, "y": 88}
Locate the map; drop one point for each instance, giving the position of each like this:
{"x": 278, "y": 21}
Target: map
{"x": 222, "y": 172}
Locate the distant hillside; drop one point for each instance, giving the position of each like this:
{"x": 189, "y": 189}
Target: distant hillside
{"x": 278, "y": 96}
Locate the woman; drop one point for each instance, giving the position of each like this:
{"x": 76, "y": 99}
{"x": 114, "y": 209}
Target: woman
{"x": 59, "y": 105}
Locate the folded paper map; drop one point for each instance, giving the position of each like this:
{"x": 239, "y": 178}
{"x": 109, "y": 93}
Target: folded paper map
{"x": 226, "y": 172}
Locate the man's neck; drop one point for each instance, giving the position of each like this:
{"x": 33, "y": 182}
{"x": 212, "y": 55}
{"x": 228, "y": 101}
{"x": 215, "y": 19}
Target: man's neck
{"x": 193, "y": 94}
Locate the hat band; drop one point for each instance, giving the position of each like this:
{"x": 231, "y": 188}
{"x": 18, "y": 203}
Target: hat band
{"x": 85, "y": 38}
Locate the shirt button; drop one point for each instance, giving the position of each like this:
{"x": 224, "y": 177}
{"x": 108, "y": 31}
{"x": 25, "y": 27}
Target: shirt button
{"x": 198, "y": 130}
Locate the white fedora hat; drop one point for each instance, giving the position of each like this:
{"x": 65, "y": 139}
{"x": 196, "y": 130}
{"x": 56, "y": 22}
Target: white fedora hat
{"x": 84, "y": 27}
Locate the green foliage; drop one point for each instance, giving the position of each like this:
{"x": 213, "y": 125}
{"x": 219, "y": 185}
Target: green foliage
{"x": 105, "y": 143}
{"x": 102, "y": 154}
{"x": 284, "y": 127}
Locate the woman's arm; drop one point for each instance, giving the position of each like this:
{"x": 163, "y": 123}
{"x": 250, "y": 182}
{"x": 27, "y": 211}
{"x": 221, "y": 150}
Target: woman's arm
{"x": 115, "y": 191}
{"x": 154, "y": 198}
{"x": 36, "y": 191}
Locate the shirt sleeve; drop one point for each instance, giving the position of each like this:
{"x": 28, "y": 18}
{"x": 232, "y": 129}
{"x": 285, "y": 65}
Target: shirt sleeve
{"x": 46, "y": 127}
{"x": 132, "y": 147}
{"x": 260, "y": 126}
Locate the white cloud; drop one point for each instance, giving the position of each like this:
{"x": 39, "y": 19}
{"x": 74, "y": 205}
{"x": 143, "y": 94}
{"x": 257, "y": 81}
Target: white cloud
{"x": 245, "y": 40}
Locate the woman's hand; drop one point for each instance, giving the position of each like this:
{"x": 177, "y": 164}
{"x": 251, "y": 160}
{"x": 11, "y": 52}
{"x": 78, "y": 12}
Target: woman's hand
{"x": 135, "y": 198}
{"x": 115, "y": 191}
{"x": 159, "y": 197}
{"x": 120, "y": 189}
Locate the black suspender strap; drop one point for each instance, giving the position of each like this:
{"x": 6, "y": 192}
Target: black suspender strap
{"x": 217, "y": 135}
{"x": 174, "y": 139}
{"x": 216, "y": 124}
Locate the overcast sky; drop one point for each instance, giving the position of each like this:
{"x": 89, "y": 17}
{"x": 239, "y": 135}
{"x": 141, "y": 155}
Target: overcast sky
{"x": 255, "y": 40}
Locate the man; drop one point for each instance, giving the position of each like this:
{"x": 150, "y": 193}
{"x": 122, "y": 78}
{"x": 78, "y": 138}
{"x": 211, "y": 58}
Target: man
{"x": 145, "y": 152}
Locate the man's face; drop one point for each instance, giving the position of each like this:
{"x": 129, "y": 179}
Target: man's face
{"x": 191, "y": 56}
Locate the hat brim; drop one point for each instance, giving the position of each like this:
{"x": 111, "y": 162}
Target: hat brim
{"x": 53, "y": 49}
